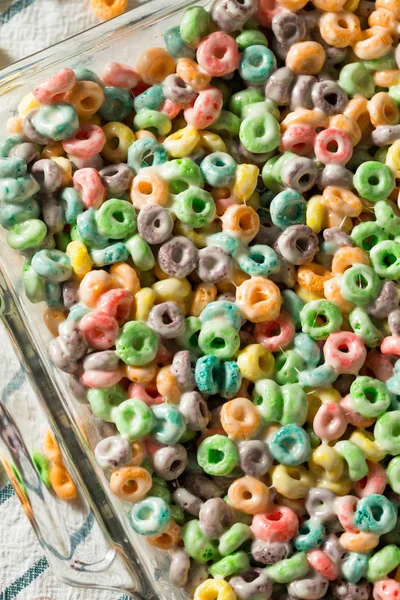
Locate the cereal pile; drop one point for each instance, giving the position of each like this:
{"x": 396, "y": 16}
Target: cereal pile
{"x": 216, "y": 236}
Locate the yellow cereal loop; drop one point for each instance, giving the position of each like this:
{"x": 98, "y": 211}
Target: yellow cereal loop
{"x": 292, "y": 482}
{"x": 171, "y": 289}
{"x": 245, "y": 182}
{"x": 366, "y": 442}
{"x": 118, "y": 139}
{"x": 315, "y": 213}
{"x": 66, "y": 169}
{"x": 214, "y": 589}
{"x": 211, "y": 142}
{"x": 80, "y": 259}
{"x": 307, "y": 295}
{"x": 27, "y": 104}
{"x": 145, "y": 299}
{"x": 182, "y": 142}
{"x": 326, "y": 463}
{"x": 256, "y": 362}
{"x": 393, "y": 158}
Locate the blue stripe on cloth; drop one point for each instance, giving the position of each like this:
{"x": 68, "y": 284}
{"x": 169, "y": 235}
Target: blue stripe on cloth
{"x": 14, "y": 9}
{"x": 6, "y": 493}
{"x": 26, "y": 579}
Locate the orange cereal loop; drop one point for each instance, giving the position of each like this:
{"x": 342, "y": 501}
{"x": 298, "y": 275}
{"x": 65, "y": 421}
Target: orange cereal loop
{"x": 154, "y": 65}
{"x": 362, "y": 541}
{"x": 347, "y": 257}
{"x": 130, "y": 483}
{"x": 87, "y": 97}
{"x": 249, "y": 495}
{"x": 357, "y": 109}
{"x": 192, "y": 74}
{"x": 126, "y": 277}
{"x": 333, "y": 294}
{"x": 107, "y": 9}
{"x": 383, "y": 110}
{"x": 143, "y": 375}
{"x": 306, "y": 58}
{"x": 334, "y": 219}
{"x": 348, "y": 125}
{"x": 387, "y": 78}
{"x": 292, "y": 5}
{"x": 240, "y": 419}
{"x": 167, "y": 385}
{"x": 148, "y": 188}
{"x": 313, "y": 276}
{"x": 304, "y": 116}
{"x": 93, "y": 285}
{"x": 259, "y": 299}
{"x": 374, "y": 42}
{"x": 53, "y": 149}
{"x": 166, "y": 540}
{"x": 52, "y": 317}
{"x": 392, "y": 6}
{"x": 159, "y": 273}
{"x": 137, "y": 454}
{"x": 15, "y": 125}
{"x": 384, "y": 18}
{"x": 339, "y": 29}
{"x": 204, "y": 293}
{"x": 341, "y": 201}
{"x": 329, "y": 5}
{"x": 143, "y": 133}
{"x": 241, "y": 221}
{"x": 51, "y": 448}
{"x": 61, "y": 482}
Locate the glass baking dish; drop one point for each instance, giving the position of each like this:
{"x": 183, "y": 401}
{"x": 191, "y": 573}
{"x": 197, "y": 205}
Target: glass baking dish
{"x": 88, "y": 541}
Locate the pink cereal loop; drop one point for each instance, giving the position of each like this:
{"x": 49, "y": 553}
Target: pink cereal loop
{"x": 345, "y": 352}
{"x": 391, "y": 345}
{"x": 373, "y": 483}
{"x": 323, "y": 564}
{"x": 218, "y": 54}
{"x": 280, "y": 523}
{"x": 148, "y": 394}
{"x": 88, "y": 141}
{"x": 345, "y": 507}
{"x": 354, "y": 417}
{"x": 267, "y": 9}
{"x": 116, "y": 303}
{"x": 171, "y": 109}
{"x": 88, "y": 182}
{"x": 51, "y": 89}
{"x": 102, "y": 379}
{"x": 119, "y": 75}
{"x": 99, "y": 330}
{"x": 379, "y": 364}
{"x": 330, "y": 422}
{"x": 299, "y": 139}
{"x": 275, "y": 335}
{"x": 340, "y": 143}
{"x": 205, "y": 110}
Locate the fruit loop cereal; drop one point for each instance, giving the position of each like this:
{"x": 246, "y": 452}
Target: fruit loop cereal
{"x": 215, "y": 231}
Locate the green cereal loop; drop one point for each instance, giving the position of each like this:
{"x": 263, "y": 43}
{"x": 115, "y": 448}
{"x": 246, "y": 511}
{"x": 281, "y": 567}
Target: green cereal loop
{"x": 18, "y": 189}
{"x": 259, "y": 109}
{"x": 152, "y": 119}
{"x": 384, "y": 561}
{"x": 227, "y": 124}
{"x": 268, "y": 176}
{"x": 180, "y": 174}
{"x": 217, "y": 455}
{"x": 393, "y": 473}
{"x": 394, "y": 92}
{"x": 137, "y": 344}
{"x": 385, "y": 258}
{"x": 387, "y": 218}
{"x": 287, "y": 366}
{"x": 289, "y": 569}
{"x": 355, "y": 79}
{"x": 267, "y": 396}
{"x": 62, "y": 239}
{"x": 374, "y": 181}
{"x": 219, "y": 338}
{"x": 295, "y": 405}
{"x": 381, "y": 64}
{"x": 197, "y": 545}
{"x": 56, "y": 121}
{"x": 42, "y": 466}
{"x": 361, "y": 324}
{"x": 175, "y": 45}
{"x": 116, "y": 219}
{"x": 133, "y": 419}
{"x": 117, "y": 104}
{"x": 33, "y": 283}
{"x": 293, "y": 304}
{"x": 244, "y": 98}
{"x": 9, "y": 143}
{"x": 387, "y": 432}
{"x": 229, "y": 565}
{"x": 324, "y": 311}
{"x": 381, "y": 153}
{"x": 355, "y": 459}
{"x": 251, "y": 37}
{"x": 194, "y": 207}
{"x": 85, "y": 74}
{"x": 12, "y": 167}
{"x": 189, "y": 339}
{"x": 12, "y": 213}
{"x": 28, "y": 234}
{"x": 140, "y": 252}
{"x": 194, "y": 26}
{"x": 52, "y": 265}
{"x": 232, "y": 539}
{"x": 160, "y": 491}
{"x": 103, "y": 401}
{"x": 367, "y": 235}
{"x": 369, "y": 396}
{"x": 177, "y": 514}
{"x": 260, "y": 134}
{"x": 360, "y": 285}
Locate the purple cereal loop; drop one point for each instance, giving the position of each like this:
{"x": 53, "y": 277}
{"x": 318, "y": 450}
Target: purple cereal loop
{"x": 52, "y": 212}
{"x": 30, "y": 132}
{"x": 279, "y": 86}
{"x": 183, "y": 498}
{"x": 195, "y": 410}
{"x": 386, "y": 302}
{"x": 255, "y": 458}
{"x": 183, "y": 369}
{"x": 298, "y": 244}
{"x": 48, "y": 175}
{"x": 178, "y": 91}
{"x": 27, "y": 151}
{"x": 299, "y": 173}
{"x": 214, "y": 264}
{"x": 179, "y": 568}
{"x": 269, "y": 553}
{"x": 105, "y": 360}
{"x": 384, "y": 135}
{"x": 155, "y": 224}
{"x": 113, "y": 452}
{"x": 167, "y": 320}
{"x": 116, "y": 178}
{"x": 178, "y": 257}
{"x": 288, "y": 28}
{"x": 72, "y": 339}
{"x": 394, "y": 322}
{"x": 216, "y": 516}
{"x": 251, "y": 584}
{"x": 169, "y": 462}
{"x": 301, "y": 92}
{"x": 328, "y": 97}
{"x": 70, "y": 293}
{"x": 336, "y": 175}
